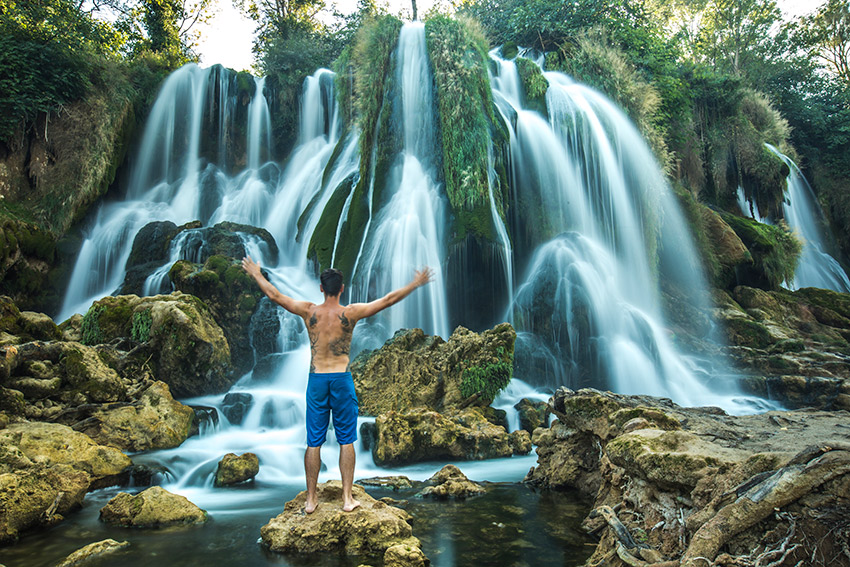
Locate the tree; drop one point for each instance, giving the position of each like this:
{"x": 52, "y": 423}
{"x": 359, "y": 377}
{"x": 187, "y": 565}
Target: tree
{"x": 734, "y": 33}
{"x": 827, "y": 34}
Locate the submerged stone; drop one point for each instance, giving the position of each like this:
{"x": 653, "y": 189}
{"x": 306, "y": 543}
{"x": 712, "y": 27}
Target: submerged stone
{"x": 92, "y": 551}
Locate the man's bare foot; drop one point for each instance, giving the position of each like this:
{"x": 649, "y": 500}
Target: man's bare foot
{"x": 351, "y": 505}
{"x": 310, "y": 506}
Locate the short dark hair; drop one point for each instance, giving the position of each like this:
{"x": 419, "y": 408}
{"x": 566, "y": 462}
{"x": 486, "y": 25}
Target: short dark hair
{"x": 331, "y": 281}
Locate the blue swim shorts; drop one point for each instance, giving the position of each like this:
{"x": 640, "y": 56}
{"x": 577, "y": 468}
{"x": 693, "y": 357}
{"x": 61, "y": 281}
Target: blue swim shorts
{"x": 326, "y": 393}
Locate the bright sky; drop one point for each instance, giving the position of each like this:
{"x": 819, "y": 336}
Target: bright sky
{"x": 229, "y": 36}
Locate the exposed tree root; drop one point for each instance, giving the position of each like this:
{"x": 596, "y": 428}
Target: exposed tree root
{"x": 757, "y": 500}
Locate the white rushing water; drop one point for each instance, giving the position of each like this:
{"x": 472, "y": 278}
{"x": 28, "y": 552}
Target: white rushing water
{"x": 816, "y": 267}
{"x": 590, "y": 294}
{"x": 588, "y": 302}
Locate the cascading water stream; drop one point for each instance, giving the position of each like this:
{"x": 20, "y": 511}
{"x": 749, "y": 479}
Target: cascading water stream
{"x": 591, "y": 296}
{"x": 816, "y": 267}
{"x": 407, "y": 233}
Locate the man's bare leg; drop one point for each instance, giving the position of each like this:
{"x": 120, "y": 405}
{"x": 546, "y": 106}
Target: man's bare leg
{"x": 346, "y": 467}
{"x": 312, "y": 464}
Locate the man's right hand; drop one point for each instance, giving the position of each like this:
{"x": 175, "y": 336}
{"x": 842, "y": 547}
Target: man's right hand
{"x": 423, "y": 276}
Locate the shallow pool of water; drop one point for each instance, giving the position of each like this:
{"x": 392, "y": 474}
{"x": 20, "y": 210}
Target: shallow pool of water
{"x": 511, "y": 524}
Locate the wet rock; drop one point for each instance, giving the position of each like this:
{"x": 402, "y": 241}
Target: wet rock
{"x": 149, "y": 252}
{"x": 45, "y": 471}
{"x": 39, "y": 326}
{"x": 369, "y": 530}
{"x": 673, "y": 483}
{"x": 55, "y": 444}
{"x": 405, "y": 555}
{"x": 154, "y": 421}
{"x": 152, "y": 508}
{"x": 450, "y": 482}
{"x": 532, "y": 414}
{"x": 394, "y": 482}
{"x": 92, "y": 551}
{"x": 233, "y": 469}
{"x": 520, "y": 442}
{"x": 398, "y": 438}
{"x": 36, "y": 494}
{"x": 417, "y": 370}
{"x": 235, "y": 406}
{"x": 187, "y": 348}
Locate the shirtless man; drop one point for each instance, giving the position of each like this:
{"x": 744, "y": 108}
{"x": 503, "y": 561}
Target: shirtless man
{"x": 330, "y": 387}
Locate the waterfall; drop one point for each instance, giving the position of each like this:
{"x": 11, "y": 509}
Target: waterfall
{"x": 590, "y": 232}
{"x": 816, "y": 267}
{"x": 591, "y": 295}
{"x": 408, "y": 231}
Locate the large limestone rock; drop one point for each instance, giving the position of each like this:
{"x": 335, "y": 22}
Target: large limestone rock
{"x": 151, "y": 508}
{"x": 794, "y": 344}
{"x": 680, "y": 484}
{"x": 154, "y": 421}
{"x": 45, "y": 471}
{"x": 417, "y": 370}
{"x": 398, "y": 438}
{"x": 233, "y": 469}
{"x": 218, "y": 279}
{"x": 370, "y": 530}
{"x": 55, "y": 444}
{"x": 187, "y": 348}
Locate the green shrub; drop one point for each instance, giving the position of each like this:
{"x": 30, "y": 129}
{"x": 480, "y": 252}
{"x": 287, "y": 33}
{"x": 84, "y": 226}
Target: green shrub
{"x": 91, "y": 333}
{"x": 489, "y": 378}
{"x": 775, "y": 249}
{"x": 141, "y": 329}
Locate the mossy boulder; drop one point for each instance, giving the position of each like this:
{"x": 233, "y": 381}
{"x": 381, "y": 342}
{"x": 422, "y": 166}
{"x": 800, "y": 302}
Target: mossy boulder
{"x": 233, "y": 469}
{"x": 217, "y": 279}
{"x": 45, "y": 471}
{"x": 151, "y": 508}
{"x": 417, "y": 370}
{"x": 188, "y": 349}
{"x": 154, "y": 421}
{"x": 668, "y": 458}
{"x": 369, "y": 530}
{"x": 774, "y": 250}
{"x": 29, "y": 267}
{"x": 727, "y": 248}
{"x": 532, "y": 414}
{"x": 55, "y": 444}
{"x": 398, "y": 438}
{"x": 28, "y": 490}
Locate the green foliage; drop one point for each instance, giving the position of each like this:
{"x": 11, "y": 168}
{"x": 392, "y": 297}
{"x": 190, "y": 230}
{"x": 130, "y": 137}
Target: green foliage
{"x": 141, "y": 326}
{"x": 90, "y": 326}
{"x": 488, "y": 378}
{"x": 735, "y": 34}
{"x": 458, "y": 52}
{"x": 534, "y": 84}
{"x": 775, "y": 249}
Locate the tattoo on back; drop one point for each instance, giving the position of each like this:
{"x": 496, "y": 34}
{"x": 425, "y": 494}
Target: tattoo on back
{"x": 342, "y": 345}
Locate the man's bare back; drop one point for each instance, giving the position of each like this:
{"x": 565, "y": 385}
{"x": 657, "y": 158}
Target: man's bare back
{"x": 330, "y": 330}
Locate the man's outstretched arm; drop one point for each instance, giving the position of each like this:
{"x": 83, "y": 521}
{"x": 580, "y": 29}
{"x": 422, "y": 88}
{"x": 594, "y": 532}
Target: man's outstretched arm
{"x": 300, "y": 308}
{"x": 359, "y": 311}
